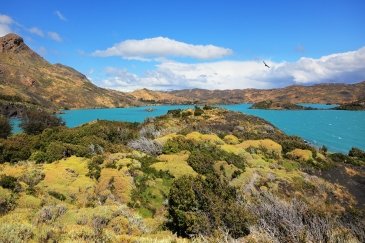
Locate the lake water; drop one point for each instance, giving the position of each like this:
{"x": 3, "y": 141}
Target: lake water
{"x": 338, "y": 130}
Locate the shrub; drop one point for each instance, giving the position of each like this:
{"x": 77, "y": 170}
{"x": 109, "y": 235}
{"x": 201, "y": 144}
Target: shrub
{"x": 201, "y": 207}
{"x": 208, "y": 107}
{"x": 94, "y": 167}
{"x": 5, "y": 128}
{"x": 35, "y": 121}
{"x": 201, "y": 162}
{"x": 7, "y": 201}
{"x": 10, "y": 182}
{"x": 358, "y": 153}
{"x": 50, "y": 213}
{"x": 174, "y": 113}
{"x": 203, "y": 155}
{"x": 16, "y": 148}
{"x": 15, "y": 232}
{"x": 57, "y": 195}
{"x": 198, "y": 111}
{"x": 342, "y": 158}
{"x": 146, "y": 145}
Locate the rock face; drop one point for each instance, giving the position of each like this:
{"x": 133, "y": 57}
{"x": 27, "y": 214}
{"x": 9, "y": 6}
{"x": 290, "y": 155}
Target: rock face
{"x": 12, "y": 43}
{"x": 27, "y": 77}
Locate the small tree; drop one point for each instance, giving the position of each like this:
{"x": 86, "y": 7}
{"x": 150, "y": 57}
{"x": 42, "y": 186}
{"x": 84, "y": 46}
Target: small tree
{"x": 5, "y": 127}
{"x": 36, "y": 121}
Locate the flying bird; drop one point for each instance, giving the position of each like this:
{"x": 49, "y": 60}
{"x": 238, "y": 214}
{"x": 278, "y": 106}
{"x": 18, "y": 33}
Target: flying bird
{"x": 266, "y": 64}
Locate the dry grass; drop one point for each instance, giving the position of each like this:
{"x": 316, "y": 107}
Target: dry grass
{"x": 303, "y": 155}
{"x": 68, "y": 177}
{"x": 175, "y": 164}
{"x": 210, "y": 138}
{"x": 231, "y": 139}
{"x": 115, "y": 182}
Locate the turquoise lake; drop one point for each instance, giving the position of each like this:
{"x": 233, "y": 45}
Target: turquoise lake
{"x": 338, "y": 130}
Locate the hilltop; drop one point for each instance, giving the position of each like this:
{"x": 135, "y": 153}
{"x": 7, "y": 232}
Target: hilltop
{"x": 208, "y": 175}
{"x": 26, "y": 77}
{"x": 319, "y": 93}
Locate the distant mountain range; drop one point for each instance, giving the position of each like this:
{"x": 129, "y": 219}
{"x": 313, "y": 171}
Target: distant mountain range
{"x": 320, "y": 93}
{"x": 27, "y": 77}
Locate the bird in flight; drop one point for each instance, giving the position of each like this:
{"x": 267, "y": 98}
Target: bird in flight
{"x": 266, "y": 64}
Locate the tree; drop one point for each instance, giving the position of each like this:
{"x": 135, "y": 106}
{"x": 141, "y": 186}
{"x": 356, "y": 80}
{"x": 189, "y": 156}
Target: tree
{"x": 5, "y": 127}
{"x": 36, "y": 121}
{"x": 200, "y": 206}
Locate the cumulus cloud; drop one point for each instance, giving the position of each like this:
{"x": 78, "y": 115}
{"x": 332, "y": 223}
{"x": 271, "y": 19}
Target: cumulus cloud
{"x": 54, "y": 36}
{"x": 160, "y": 47}
{"x": 36, "y": 31}
{"x": 5, "y": 24}
{"x": 60, "y": 15}
{"x": 345, "y": 67}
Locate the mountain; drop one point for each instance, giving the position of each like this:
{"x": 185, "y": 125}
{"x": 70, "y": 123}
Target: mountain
{"x": 27, "y": 77}
{"x": 150, "y": 96}
{"x": 320, "y": 93}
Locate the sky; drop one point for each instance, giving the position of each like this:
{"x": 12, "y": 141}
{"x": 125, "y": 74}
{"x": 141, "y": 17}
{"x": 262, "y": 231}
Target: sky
{"x": 166, "y": 45}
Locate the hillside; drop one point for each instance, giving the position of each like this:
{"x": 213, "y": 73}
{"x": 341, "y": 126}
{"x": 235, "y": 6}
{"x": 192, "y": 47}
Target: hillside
{"x": 321, "y": 93}
{"x": 203, "y": 175}
{"x": 153, "y": 97}
{"x": 270, "y": 105}
{"x": 27, "y": 77}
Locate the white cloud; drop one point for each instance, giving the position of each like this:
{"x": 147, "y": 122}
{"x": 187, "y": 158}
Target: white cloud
{"x": 160, "y": 47}
{"x": 36, "y": 31}
{"x": 54, "y": 36}
{"x": 5, "y": 24}
{"x": 60, "y": 15}
{"x": 345, "y": 67}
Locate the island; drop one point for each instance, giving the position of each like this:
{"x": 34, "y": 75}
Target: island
{"x": 353, "y": 106}
{"x": 275, "y": 105}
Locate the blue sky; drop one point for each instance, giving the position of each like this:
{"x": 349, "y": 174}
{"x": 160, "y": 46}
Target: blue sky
{"x": 165, "y": 44}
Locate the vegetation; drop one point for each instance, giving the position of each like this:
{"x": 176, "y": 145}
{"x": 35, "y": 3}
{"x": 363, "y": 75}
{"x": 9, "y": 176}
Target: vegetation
{"x": 269, "y": 104}
{"x": 215, "y": 177}
{"x": 353, "y": 106}
{"x": 35, "y": 121}
{"x": 5, "y": 128}
{"x": 203, "y": 206}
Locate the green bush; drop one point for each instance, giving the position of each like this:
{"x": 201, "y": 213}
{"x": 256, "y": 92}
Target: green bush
{"x": 7, "y": 201}
{"x": 201, "y": 162}
{"x": 342, "y": 158}
{"x": 35, "y": 121}
{"x": 16, "y": 232}
{"x": 358, "y": 153}
{"x": 10, "y": 182}
{"x": 198, "y": 111}
{"x": 5, "y": 128}
{"x": 175, "y": 113}
{"x": 94, "y": 167}
{"x": 16, "y": 148}
{"x": 57, "y": 195}
{"x": 201, "y": 207}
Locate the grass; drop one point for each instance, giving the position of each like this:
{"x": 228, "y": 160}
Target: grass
{"x": 231, "y": 139}
{"x": 175, "y": 164}
{"x": 115, "y": 182}
{"x": 210, "y": 138}
{"x": 68, "y": 176}
{"x": 302, "y": 155}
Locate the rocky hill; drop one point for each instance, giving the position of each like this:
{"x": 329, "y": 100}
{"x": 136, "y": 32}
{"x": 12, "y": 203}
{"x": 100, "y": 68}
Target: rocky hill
{"x": 321, "y": 93}
{"x": 27, "y": 77}
{"x": 149, "y": 96}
